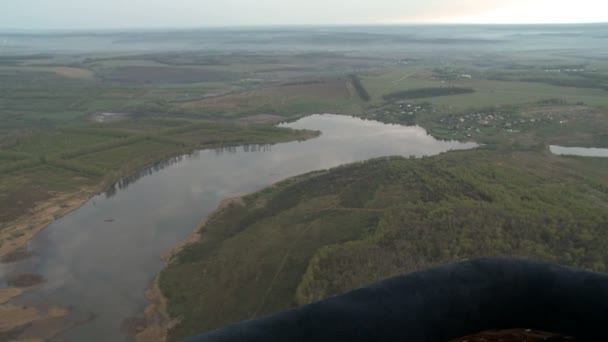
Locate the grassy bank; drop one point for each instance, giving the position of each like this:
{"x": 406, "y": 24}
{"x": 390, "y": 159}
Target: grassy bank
{"x": 47, "y": 173}
{"x": 327, "y": 232}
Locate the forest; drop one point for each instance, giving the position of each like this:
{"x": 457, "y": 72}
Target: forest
{"x": 426, "y": 92}
{"x": 327, "y": 232}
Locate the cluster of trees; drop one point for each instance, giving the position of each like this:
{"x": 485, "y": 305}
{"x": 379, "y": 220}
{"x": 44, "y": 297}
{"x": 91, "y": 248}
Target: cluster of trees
{"x": 416, "y": 236}
{"x": 426, "y": 93}
{"x": 444, "y": 212}
{"x": 360, "y": 88}
{"x": 327, "y": 232}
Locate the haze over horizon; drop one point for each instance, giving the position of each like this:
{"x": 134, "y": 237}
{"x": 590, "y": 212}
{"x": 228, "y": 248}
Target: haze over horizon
{"x": 134, "y": 14}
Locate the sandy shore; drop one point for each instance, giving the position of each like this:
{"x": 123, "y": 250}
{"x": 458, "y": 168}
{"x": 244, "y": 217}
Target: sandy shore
{"x": 18, "y": 233}
{"x": 21, "y": 231}
{"x": 158, "y": 321}
{"x": 13, "y": 239}
{"x": 13, "y": 316}
{"x": 156, "y": 316}
{"x": 9, "y": 293}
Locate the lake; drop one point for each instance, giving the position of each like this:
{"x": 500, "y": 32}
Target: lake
{"x": 99, "y": 259}
{"x": 579, "y": 151}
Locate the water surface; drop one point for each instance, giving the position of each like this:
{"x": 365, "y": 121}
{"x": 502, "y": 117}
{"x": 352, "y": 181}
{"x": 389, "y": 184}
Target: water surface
{"x": 100, "y": 258}
{"x": 579, "y": 151}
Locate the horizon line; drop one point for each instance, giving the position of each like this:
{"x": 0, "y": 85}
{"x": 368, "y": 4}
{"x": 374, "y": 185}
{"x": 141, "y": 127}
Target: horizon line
{"x": 253, "y": 26}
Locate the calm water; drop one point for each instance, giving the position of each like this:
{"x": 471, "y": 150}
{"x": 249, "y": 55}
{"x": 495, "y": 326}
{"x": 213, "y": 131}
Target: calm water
{"x": 100, "y": 259}
{"x": 579, "y": 151}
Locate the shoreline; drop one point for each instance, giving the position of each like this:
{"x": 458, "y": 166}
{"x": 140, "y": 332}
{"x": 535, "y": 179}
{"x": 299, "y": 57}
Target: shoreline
{"x": 156, "y": 316}
{"x": 158, "y": 320}
{"x": 195, "y": 235}
{"x": 17, "y": 234}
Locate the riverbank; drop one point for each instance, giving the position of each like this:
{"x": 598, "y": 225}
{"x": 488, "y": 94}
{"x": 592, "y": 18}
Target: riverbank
{"x": 16, "y": 235}
{"x": 53, "y": 205}
{"x": 157, "y": 321}
{"x": 14, "y": 317}
{"x": 41, "y": 206}
{"x": 157, "y": 318}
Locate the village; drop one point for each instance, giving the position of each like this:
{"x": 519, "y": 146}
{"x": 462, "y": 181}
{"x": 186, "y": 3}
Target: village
{"x": 444, "y": 123}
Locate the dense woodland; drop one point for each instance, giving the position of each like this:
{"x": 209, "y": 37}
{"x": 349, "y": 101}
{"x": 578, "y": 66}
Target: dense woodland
{"x": 426, "y": 93}
{"x": 324, "y": 233}
{"x": 360, "y": 88}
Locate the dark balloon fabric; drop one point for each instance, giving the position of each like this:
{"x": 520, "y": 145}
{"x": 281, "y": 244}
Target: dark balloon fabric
{"x": 444, "y": 303}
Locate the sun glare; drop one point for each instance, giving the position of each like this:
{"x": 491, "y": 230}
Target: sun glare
{"x": 541, "y": 11}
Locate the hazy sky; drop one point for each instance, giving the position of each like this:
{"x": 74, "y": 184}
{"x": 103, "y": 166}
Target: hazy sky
{"x": 69, "y": 14}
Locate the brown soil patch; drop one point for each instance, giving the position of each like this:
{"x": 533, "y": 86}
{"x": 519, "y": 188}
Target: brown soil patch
{"x": 25, "y": 280}
{"x": 12, "y": 316}
{"x": 74, "y": 73}
{"x": 8, "y": 294}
